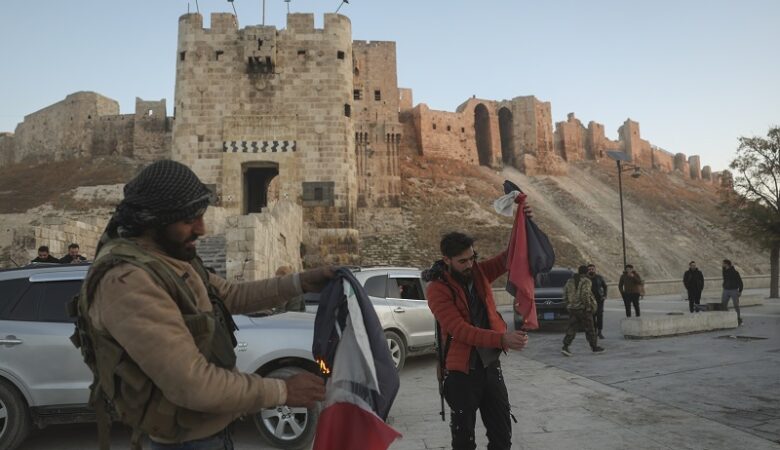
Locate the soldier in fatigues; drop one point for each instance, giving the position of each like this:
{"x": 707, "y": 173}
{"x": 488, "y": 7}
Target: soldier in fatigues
{"x": 581, "y": 305}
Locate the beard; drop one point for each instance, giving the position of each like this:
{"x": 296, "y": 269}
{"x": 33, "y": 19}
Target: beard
{"x": 464, "y": 277}
{"x": 174, "y": 248}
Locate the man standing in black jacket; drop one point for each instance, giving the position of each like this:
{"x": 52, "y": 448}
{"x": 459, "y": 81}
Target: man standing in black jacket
{"x": 694, "y": 284}
{"x": 599, "y": 289}
{"x": 732, "y": 288}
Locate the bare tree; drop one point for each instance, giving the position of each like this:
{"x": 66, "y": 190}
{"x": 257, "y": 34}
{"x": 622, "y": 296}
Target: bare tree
{"x": 752, "y": 201}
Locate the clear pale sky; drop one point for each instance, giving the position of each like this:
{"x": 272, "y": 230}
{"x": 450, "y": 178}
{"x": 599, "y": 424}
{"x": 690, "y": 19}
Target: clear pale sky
{"x": 696, "y": 74}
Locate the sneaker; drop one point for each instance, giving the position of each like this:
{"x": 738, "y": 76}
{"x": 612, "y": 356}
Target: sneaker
{"x": 601, "y": 336}
{"x": 565, "y": 351}
{"x": 739, "y": 322}
{"x": 598, "y": 349}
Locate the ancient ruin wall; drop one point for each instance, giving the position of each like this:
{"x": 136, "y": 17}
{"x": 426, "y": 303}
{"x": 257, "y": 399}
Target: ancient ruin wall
{"x": 7, "y": 149}
{"x": 266, "y": 98}
{"x": 151, "y": 130}
{"x": 62, "y": 130}
{"x": 694, "y": 165}
{"x": 662, "y": 160}
{"x": 445, "y": 134}
{"x": 377, "y": 129}
{"x": 570, "y": 139}
{"x": 597, "y": 145}
{"x": 681, "y": 165}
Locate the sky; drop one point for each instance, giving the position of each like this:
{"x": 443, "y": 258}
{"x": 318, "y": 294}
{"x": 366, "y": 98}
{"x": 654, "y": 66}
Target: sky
{"x": 696, "y": 74}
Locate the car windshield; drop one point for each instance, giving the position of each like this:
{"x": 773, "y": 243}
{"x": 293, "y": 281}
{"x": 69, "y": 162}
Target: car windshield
{"x": 553, "y": 279}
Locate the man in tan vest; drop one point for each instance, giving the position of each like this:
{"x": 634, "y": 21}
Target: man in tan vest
{"x": 157, "y": 326}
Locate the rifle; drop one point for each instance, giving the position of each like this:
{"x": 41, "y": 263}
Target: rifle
{"x": 441, "y": 371}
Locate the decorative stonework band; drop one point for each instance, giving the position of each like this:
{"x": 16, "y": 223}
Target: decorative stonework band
{"x": 258, "y": 146}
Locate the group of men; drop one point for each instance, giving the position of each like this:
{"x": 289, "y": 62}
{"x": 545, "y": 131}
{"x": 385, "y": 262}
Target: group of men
{"x": 693, "y": 280}
{"x": 73, "y": 256}
{"x": 150, "y": 315}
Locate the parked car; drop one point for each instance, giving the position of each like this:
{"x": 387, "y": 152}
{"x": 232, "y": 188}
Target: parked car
{"x": 398, "y": 296}
{"x": 44, "y": 381}
{"x": 548, "y": 295}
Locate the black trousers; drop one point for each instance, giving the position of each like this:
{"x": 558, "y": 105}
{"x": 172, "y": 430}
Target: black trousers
{"x": 694, "y": 297}
{"x": 598, "y": 316}
{"x": 482, "y": 389}
{"x": 631, "y": 299}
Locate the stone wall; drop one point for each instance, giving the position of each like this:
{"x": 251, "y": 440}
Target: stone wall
{"x": 87, "y": 124}
{"x": 681, "y": 165}
{"x": 597, "y": 144}
{"x": 570, "y": 139}
{"x": 257, "y": 244}
{"x": 113, "y": 135}
{"x": 62, "y": 130}
{"x": 7, "y": 149}
{"x": 663, "y": 160}
{"x": 151, "y": 130}
{"x": 334, "y": 246}
{"x": 380, "y": 239}
{"x": 443, "y": 134}
{"x": 694, "y": 164}
{"x": 57, "y": 234}
{"x": 376, "y": 103}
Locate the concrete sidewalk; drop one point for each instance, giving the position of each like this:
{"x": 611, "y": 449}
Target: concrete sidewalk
{"x": 559, "y": 410}
{"x": 664, "y": 394}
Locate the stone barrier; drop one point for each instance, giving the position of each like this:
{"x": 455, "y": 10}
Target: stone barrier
{"x": 675, "y": 324}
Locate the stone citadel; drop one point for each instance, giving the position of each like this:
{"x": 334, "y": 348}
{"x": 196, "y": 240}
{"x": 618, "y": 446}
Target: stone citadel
{"x": 299, "y": 131}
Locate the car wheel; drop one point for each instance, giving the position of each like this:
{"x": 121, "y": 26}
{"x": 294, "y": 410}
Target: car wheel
{"x": 284, "y": 426}
{"x": 397, "y": 349}
{"x": 14, "y": 418}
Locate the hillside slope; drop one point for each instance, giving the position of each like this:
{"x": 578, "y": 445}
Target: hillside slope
{"x": 669, "y": 220}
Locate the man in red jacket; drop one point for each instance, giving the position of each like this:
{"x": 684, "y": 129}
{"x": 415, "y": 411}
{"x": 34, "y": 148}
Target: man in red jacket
{"x": 461, "y": 298}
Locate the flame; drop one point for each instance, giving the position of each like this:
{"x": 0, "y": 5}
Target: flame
{"x": 323, "y": 366}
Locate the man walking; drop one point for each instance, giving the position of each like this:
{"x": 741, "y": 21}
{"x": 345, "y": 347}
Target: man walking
{"x": 630, "y": 287}
{"x": 693, "y": 280}
{"x": 599, "y": 289}
{"x": 155, "y": 326}
{"x": 461, "y": 299}
{"x": 732, "y": 288}
{"x": 581, "y": 305}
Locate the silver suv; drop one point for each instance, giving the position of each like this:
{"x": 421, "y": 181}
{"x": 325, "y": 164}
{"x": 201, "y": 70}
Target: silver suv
{"x": 44, "y": 381}
{"x": 398, "y": 295}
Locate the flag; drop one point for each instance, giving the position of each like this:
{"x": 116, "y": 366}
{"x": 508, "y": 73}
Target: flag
{"x": 349, "y": 343}
{"x": 521, "y": 282}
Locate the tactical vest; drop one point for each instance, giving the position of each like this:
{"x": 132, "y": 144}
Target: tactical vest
{"x": 120, "y": 389}
{"x": 578, "y": 294}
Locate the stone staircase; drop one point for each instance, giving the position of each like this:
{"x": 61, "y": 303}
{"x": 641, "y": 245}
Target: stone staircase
{"x": 212, "y": 250}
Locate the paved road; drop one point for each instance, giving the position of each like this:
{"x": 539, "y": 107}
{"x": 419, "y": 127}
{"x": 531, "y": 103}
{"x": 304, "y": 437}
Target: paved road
{"x": 704, "y": 391}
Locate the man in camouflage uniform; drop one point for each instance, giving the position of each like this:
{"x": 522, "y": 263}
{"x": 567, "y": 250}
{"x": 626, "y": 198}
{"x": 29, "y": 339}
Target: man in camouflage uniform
{"x": 581, "y": 305}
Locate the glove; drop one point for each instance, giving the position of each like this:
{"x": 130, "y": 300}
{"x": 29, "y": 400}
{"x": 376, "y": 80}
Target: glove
{"x": 315, "y": 280}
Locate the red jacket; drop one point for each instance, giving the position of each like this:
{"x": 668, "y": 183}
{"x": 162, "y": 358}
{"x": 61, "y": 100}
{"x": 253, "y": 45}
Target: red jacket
{"x": 453, "y": 313}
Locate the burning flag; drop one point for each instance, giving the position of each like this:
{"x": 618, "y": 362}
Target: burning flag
{"x": 350, "y": 346}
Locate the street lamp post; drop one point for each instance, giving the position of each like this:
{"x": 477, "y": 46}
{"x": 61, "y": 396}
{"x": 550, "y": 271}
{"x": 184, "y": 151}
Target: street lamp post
{"x": 622, "y": 220}
{"x": 620, "y": 157}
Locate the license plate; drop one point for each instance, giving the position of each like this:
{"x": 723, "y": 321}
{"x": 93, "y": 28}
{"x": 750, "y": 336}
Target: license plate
{"x": 549, "y": 316}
